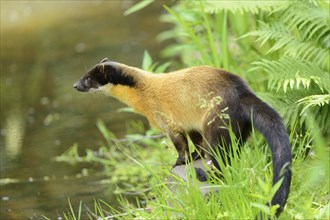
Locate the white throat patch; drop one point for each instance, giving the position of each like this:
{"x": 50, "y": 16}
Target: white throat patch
{"x": 106, "y": 88}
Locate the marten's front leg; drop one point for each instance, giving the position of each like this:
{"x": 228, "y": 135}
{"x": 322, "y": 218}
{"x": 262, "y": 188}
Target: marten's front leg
{"x": 181, "y": 145}
{"x": 197, "y": 139}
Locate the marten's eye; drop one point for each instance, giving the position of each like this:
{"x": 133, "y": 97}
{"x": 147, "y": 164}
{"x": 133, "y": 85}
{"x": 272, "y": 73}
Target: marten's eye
{"x": 88, "y": 80}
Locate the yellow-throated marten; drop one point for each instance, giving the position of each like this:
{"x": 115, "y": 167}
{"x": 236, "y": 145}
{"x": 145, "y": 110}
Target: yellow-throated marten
{"x": 200, "y": 102}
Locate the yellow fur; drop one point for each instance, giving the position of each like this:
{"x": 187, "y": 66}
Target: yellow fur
{"x": 165, "y": 101}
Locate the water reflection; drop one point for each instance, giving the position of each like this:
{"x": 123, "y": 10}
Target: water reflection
{"x": 14, "y": 133}
{"x": 45, "y": 47}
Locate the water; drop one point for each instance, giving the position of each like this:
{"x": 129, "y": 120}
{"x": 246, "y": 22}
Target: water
{"x": 45, "y": 47}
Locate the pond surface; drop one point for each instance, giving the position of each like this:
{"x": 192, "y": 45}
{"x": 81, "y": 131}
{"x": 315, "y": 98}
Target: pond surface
{"x": 45, "y": 47}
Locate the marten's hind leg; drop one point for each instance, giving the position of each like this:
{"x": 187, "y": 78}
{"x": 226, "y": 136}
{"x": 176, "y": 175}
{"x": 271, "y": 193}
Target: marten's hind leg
{"x": 217, "y": 128}
{"x": 217, "y": 137}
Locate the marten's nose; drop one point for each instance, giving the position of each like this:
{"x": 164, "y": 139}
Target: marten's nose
{"x": 79, "y": 87}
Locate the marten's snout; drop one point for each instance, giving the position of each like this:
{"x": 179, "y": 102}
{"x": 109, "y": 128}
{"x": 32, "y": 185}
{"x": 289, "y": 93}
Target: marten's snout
{"x": 76, "y": 86}
{"x": 80, "y": 87}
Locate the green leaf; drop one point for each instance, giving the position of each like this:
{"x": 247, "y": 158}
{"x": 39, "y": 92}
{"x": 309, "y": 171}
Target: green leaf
{"x": 288, "y": 72}
{"x": 264, "y": 208}
{"x": 162, "y": 68}
{"x": 275, "y": 187}
{"x": 138, "y": 7}
{"x": 147, "y": 61}
{"x": 242, "y": 6}
{"x": 313, "y": 100}
{"x": 104, "y": 131}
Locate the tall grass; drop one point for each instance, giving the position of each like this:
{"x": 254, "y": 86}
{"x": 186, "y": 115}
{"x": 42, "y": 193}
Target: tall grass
{"x": 241, "y": 193}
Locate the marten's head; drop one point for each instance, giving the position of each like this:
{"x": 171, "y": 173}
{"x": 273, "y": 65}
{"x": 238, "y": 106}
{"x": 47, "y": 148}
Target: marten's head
{"x": 105, "y": 73}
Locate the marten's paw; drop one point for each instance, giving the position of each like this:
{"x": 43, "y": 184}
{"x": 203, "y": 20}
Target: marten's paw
{"x": 201, "y": 174}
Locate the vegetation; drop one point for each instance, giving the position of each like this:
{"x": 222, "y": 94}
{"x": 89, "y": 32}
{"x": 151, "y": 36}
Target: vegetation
{"x": 282, "y": 49}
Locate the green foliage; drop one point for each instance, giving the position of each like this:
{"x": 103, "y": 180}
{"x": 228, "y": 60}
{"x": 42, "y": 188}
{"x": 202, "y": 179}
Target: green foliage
{"x": 195, "y": 34}
{"x": 149, "y": 65}
{"x": 300, "y": 34}
{"x": 288, "y": 40}
{"x": 138, "y": 6}
{"x": 294, "y": 74}
{"x": 243, "y": 6}
{"x": 119, "y": 157}
{"x": 71, "y": 215}
{"x": 243, "y": 190}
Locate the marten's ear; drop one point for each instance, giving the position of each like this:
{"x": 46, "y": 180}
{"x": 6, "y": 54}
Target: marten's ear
{"x": 105, "y": 60}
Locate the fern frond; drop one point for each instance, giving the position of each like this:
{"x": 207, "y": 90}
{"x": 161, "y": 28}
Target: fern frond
{"x": 288, "y": 72}
{"x": 291, "y": 44}
{"x": 243, "y": 6}
{"x": 301, "y": 36}
{"x": 306, "y": 50}
{"x": 285, "y": 105}
{"x": 314, "y": 100}
{"x": 291, "y": 108}
{"x": 322, "y": 118}
{"x": 313, "y": 20}
{"x": 318, "y": 105}
{"x": 266, "y": 32}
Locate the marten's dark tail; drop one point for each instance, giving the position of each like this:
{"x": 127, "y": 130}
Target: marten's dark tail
{"x": 269, "y": 123}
